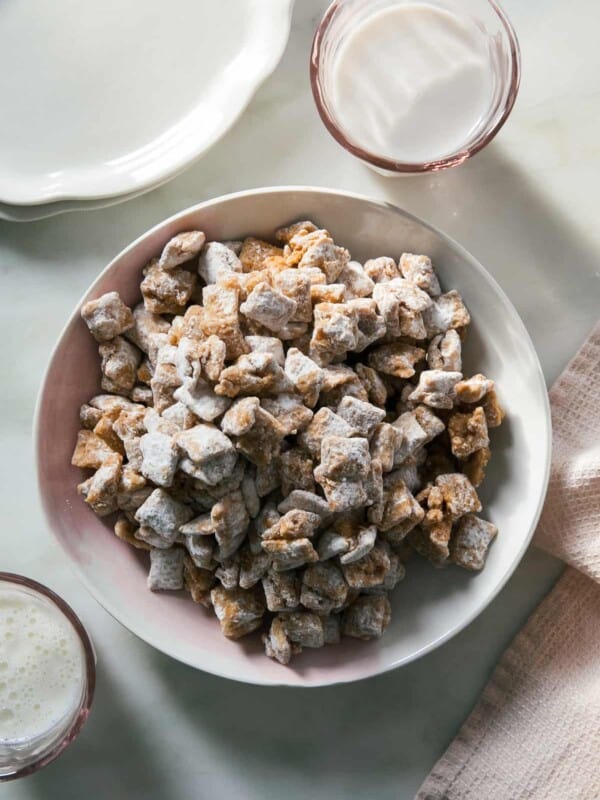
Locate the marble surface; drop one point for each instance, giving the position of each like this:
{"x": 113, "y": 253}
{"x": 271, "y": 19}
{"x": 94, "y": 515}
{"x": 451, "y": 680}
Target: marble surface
{"x": 526, "y": 208}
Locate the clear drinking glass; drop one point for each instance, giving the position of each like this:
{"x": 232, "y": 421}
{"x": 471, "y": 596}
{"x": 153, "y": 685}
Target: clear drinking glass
{"x": 25, "y": 751}
{"x": 343, "y": 16}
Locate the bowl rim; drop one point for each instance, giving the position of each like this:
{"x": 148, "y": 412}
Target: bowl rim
{"x": 508, "y": 308}
{"x": 394, "y": 165}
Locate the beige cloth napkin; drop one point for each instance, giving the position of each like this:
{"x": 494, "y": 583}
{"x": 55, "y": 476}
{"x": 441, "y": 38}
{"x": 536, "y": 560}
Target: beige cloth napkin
{"x": 535, "y": 731}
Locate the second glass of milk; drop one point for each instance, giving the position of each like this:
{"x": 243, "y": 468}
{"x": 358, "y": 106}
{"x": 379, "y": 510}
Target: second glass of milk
{"x": 47, "y": 676}
{"x": 413, "y": 86}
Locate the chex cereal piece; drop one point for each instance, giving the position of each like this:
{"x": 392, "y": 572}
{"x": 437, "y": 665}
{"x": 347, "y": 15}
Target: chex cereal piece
{"x": 199, "y": 526}
{"x": 328, "y": 257}
{"x": 333, "y": 543}
{"x": 397, "y": 359}
{"x": 201, "y": 550}
{"x": 332, "y": 629}
{"x": 324, "y": 423}
{"x": 267, "y": 477}
{"x": 418, "y": 270}
{"x": 305, "y": 376}
{"x": 255, "y": 251}
{"x": 210, "y": 451}
{"x": 216, "y": 261}
{"x": 385, "y": 439}
{"x": 197, "y": 581}
{"x": 277, "y": 645}
{"x": 108, "y": 402}
{"x": 295, "y": 284}
{"x": 302, "y": 227}
{"x": 340, "y": 381}
{"x": 296, "y": 471}
{"x": 104, "y": 429}
{"x": 468, "y": 433}
{"x": 160, "y": 456}
{"x": 239, "y": 612}
{"x": 327, "y": 292}
{"x": 295, "y": 524}
{"x": 356, "y": 280}
{"x": 448, "y": 311}
{"x": 119, "y": 363}
{"x": 166, "y": 291}
{"x": 266, "y": 344}
{"x": 289, "y": 553}
{"x": 282, "y": 590}
{"x": 290, "y": 412}
{"x": 163, "y": 515}
{"x": 304, "y": 501}
{"x": 231, "y": 521}
{"x": 253, "y": 567}
{"x": 89, "y": 416}
{"x": 408, "y": 472}
{"x": 475, "y": 465}
{"x": 258, "y": 433}
{"x": 416, "y": 428}
{"x": 473, "y": 389}
{"x": 124, "y": 530}
{"x": 199, "y": 397}
{"x": 181, "y": 248}
{"x": 107, "y": 317}
{"x": 228, "y": 573}
{"x": 344, "y": 459}
{"x": 165, "y": 381}
{"x": 381, "y": 270}
{"x": 367, "y": 617}
{"x": 361, "y": 544}
{"x": 401, "y": 511}
{"x": 436, "y": 388}
{"x": 458, "y": 494}
{"x": 445, "y": 352}
{"x": 323, "y": 588}
{"x": 166, "y": 570}
{"x": 304, "y": 628}
{"x": 401, "y": 304}
{"x": 250, "y": 495}
{"x": 494, "y": 413}
{"x": 372, "y": 383}
{"x": 146, "y": 326}
{"x": 269, "y": 307}
{"x": 335, "y": 330}
{"x": 362, "y": 416}
{"x": 130, "y": 423}
{"x": 219, "y": 317}
{"x": 90, "y": 451}
{"x": 101, "y": 490}
{"x": 253, "y": 374}
{"x": 470, "y": 541}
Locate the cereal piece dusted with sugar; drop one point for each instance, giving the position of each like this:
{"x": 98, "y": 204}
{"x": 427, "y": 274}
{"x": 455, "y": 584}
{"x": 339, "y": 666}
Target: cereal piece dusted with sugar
{"x": 470, "y": 541}
{"x": 253, "y": 567}
{"x": 360, "y": 544}
{"x": 240, "y": 612}
{"x": 418, "y": 270}
{"x": 107, "y": 317}
{"x": 228, "y": 573}
{"x": 210, "y": 451}
{"x": 216, "y": 261}
{"x": 305, "y": 376}
{"x": 445, "y": 352}
{"x": 119, "y": 362}
{"x": 89, "y": 416}
{"x": 448, "y": 311}
{"x": 166, "y": 570}
{"x": 472, "y": 390}
{"x": 494, "y": 413}
{"x": 397, "y": 359}
{"x": 295, "y": 284}
{"x": 324, "y": 423}
{"x": 284, "y": 235}
{"x": 362, "y": 416}
{"x": 344, "y": 472}
{"x": 381, "y": 270}
{"x": 220, "y": 317}
{"x": 294, "y": 524}
{"x": 327, "y": 292}
{"x": 335, "y": 330}
{"x": 304, "y": 501}
{"x": 201, "y": 550}
{"x": 277, "y": 645}
{"x": 265, "y": 344}
{"x": 372, "y": 384}
{"x": 253, "y": 374}
{"x": 282, "y": 590}
{"x": 324, "y": 589}
{"x": 475, "y": 465}
{"x": 200, "y": 399}
{"x": 197, "y": 581}
{"x": 355, "y": 280}
{"x": 401, "y": 512}
{"x": 181, "y": 248}
{"x": 258, "y": 434}
{"x": 269, "y": 307}
{"x": 367, "y": 617}
{"x": 289, "y": 553}
{"x": 100, "y": 491}
{"x": 436, "y": 388}
{"x": 370, "y": 570}
{"x": 328, "y": 257}
{"x": 371, "y": 326}
{"x": 255, "y": 251}
{"x": 146, "y": 326}
{"x": 304, "y": 628}
{"x": 459, "y": 496}
{"x": 468, "y": 433}
{"x": 160, "y": 456}
{"x": 385, "y": 439}
{"x": 124, "y": 530}
{"x": 401, "y": 304}
{"x": 417, "y": 428}
{"x": 296, "y": 471}
{"x": 90, "y": 451}
{"x": 230, "y": 519}
{"x": 290, "y": 412}
{"x": 166, "y": 291}
{"x": 163, "y": 515}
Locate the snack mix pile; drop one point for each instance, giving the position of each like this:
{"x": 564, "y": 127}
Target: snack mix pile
{"x": 281, "y": 427}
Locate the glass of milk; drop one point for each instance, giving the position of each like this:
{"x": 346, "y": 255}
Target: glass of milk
{"x": 413, "y": 86}
{"x": 47, "y": 676}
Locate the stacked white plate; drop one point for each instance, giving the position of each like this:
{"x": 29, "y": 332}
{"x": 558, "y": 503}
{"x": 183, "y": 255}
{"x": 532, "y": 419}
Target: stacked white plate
{"x": 104, "y": 101}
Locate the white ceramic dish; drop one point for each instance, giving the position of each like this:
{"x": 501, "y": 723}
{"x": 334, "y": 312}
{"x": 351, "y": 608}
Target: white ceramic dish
{"x": 430, "y": 605}
{"x": 16, "y": 213}
{"x": 104, "y": 99}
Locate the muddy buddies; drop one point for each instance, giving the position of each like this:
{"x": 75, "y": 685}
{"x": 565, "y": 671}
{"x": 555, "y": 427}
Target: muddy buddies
{"x": 281, "y": 427}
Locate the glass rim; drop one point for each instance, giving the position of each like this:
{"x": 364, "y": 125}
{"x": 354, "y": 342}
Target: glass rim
{"x": 90, "y": 676}
{"x": 393, "y": 165}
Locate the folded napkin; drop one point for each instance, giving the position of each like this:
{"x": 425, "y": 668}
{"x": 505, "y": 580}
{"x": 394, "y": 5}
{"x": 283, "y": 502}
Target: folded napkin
{"x": 535, "y": 731}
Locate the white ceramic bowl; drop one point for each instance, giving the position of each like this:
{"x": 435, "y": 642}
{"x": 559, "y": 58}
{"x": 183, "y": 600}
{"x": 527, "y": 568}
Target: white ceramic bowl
{"x": 430, "y": 605}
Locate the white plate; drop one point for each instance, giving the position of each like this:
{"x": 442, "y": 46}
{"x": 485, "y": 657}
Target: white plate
{"x": 103, "y": 99}
{"x": 16, "y": 213}
{"x": 430, "y": 605}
